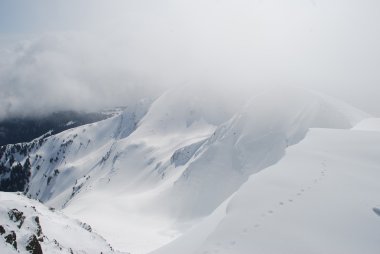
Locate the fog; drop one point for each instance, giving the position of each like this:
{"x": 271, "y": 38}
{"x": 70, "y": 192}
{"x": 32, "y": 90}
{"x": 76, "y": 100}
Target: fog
{"x": 87, "y": 55}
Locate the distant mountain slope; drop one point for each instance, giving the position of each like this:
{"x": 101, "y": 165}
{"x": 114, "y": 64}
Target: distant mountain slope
{"x": 322, "y": 197}
{"x": 26, "y": 226}
{"x": 163, "y": 165}
{"x": 25, "y": 129}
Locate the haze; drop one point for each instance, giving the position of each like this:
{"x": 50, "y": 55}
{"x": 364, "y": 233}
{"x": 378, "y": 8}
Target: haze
{"x": 87, "y": 55}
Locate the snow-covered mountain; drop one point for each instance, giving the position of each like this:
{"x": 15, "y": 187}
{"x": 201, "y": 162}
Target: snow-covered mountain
{"x": 322, "y": 197}
{"x": 27, "y": 226}
{"x": 26, "y": 128}
{"x": 167, "y": 167}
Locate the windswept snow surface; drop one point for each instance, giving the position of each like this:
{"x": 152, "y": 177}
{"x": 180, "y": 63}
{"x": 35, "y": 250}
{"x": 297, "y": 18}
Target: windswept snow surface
{"x": 153, "y": 173}
{"x": 322, "y": 197}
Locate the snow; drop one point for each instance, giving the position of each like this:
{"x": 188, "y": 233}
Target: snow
{"x": 60, "y": 234}
{"x": 320, "y": 198}
{"x": 168, "y": 173}
{"x": 69, "y": 123}
{"x": 179, "y": 170}
{"x": 370, "y": 124}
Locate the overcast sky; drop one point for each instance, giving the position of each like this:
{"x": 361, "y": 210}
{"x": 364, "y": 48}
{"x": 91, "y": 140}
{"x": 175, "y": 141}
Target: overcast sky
{"x": 77, "y": 54}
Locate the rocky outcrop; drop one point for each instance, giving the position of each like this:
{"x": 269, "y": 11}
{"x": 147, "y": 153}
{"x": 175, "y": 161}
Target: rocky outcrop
{"x": 33, "y": 246}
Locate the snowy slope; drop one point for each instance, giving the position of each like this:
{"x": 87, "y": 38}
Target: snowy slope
{"x": 185, "y": 165}
{"x": 322, "y": 197}
{"x": 27, "y": 226}
{"x": 254, "y": 138}
{"x": 146, "y": 176}
{"x": 370, "y": 124}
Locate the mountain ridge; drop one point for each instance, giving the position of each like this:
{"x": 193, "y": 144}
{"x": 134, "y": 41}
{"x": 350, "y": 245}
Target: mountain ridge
{"x": 168, "y": 157}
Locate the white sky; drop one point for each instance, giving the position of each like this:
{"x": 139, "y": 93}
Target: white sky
{"x": 100, "y": 53}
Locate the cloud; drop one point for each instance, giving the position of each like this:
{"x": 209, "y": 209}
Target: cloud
{"x": 66, "y": 71}
{"x": 118, "y": 53}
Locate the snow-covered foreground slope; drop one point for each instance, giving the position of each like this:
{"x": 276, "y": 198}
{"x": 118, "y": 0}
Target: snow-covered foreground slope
{"x": 146, "y": 176}
{"x": 322, "y": 197}
{"x": 27, "y": 226}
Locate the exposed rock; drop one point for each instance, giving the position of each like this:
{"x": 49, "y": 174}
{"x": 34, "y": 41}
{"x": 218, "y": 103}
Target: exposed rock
{"x": 86, "y": 226}
{"x": 11, "y": 239}
{"x": 39, "y": 228}
{"x": 33, "y": 246}
{"x": 16, "y": 216}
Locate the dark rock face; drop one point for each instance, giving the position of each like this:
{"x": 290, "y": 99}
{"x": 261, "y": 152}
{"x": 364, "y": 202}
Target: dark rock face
{"x": 2, "y": 230}
{"x": 11, "y": 239}
{"x": 33, "y": 245}
{"x": 18, "y": 176}
{"x": 38, "y": 225}
{"x": 16, "y": 216}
